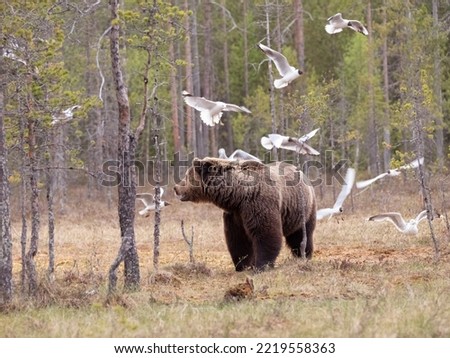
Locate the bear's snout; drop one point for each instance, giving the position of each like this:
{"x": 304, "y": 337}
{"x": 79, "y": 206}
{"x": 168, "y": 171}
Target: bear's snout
{"x": 176, "y": 189}
{"x": 180, "y": 191}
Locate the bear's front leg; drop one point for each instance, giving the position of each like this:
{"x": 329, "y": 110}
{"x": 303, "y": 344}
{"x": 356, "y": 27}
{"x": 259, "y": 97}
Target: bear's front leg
{"x": 264, "y": 229}
{"x": 238, "y": 243}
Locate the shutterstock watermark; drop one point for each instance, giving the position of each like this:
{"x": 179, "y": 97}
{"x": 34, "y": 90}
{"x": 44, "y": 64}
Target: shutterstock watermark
{"x": 316, "y": 171}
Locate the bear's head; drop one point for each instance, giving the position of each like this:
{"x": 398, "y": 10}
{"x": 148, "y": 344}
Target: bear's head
{"x": 208, "y": 177}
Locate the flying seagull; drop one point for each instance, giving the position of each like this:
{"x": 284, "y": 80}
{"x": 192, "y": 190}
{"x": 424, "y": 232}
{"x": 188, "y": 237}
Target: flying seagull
{"x": 149, "y": 202}
{"x": 408, "y": 228}
{"x": 392, "y": 173}
{"x": 336, "y": 24}
{"x": 345, "y": 191}
{"x": 64, "y": 116}
{"x": 210, "y": 111}
{"x": 238, "y": 154}
{"x": 296, "y": 144}
{"x": 288, "y": 72}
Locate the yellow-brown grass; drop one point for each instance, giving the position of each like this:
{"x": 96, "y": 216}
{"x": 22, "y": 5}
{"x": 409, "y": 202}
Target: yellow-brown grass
{"x": 365, "y": 279}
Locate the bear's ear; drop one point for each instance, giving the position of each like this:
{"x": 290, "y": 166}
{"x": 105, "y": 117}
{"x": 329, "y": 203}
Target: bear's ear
{"x": 198, "y": 166}
{"x": 206, "y": 167}
{"x": 252, "y": 164}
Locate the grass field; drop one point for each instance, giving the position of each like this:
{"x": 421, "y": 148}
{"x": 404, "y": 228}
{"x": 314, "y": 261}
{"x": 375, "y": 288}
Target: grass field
{"x": 365, "y": 279}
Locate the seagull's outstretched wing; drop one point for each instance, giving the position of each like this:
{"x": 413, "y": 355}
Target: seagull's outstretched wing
{"x": 346, "y": 188}
{"x": 239, "y": 154}
{"x": 395, "y": 218}
{"x": 278, "y": 59}
{"x": 309, "y": 135}
{"x": 414, "y": 164}
{"x": 146, "y": 198}
{"x": 323, "y": 213}
{"x": 358, "y": 27}
{"x": 422, "y": 215}
{"x": 199, "y": 103}
{"x": 365, "y": 183}
{"x": 236, "y": 108}
{"x": 307, "y": 149}
{"x": 337, "y": 17}
{"x": 161, "y": 192}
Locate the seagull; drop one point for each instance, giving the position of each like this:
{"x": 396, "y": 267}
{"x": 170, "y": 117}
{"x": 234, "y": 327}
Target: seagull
{"x": 10, "y": 50}
{"x": 149, "y": 202}
{"x": 408, "y": 228}
{"x": 210, "y": 111}
{"x": 296, "y": 144}
{"x": 392, "y": 173}
{"x": 64, "y": 116}
{"x": 336, "y": 24}
{"x": 288, "y": 72}
{"x": 345, "y": 191}
{"x": 238, "y": 154}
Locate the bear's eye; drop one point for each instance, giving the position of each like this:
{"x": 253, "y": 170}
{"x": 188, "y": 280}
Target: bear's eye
{"x": 213, "y": 169}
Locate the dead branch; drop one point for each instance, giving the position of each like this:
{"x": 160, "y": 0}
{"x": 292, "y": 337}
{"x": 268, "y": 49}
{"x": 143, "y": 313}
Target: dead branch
{"x": 189, "y": 242}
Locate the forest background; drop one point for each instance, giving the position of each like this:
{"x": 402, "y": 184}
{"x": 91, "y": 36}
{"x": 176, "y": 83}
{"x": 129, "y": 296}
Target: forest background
{"x": 374, "y": 98}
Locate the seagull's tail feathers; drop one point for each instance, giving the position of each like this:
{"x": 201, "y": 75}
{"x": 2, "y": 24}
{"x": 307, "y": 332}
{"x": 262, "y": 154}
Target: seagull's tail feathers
{"x": 211, "y": 119}
{"x": 280, "y": 83}
{"x": 331, "y": 29}
{"x": 266, "y": 143}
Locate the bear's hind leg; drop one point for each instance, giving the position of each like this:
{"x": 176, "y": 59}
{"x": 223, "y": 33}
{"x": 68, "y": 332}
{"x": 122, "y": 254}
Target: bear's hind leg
{"x": 310, "y": 226}
{"x": 238, "y": 243}
{"x": 295, "y": 240}
{"x": 267, "y": 240}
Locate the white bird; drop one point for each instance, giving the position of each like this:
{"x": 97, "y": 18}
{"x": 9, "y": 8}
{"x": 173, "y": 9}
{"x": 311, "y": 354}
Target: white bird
{"x": 210, "y": 111}
{"x": 10, "y": 50}
{"x": 336, "y": 24}
{"x": 296, "y": 144}
{"x": 238, "y": 154}
{"x": 149, "y": 202}
{"x": 288, "y": 72}
{"x": 345, "y": 191}
{"x": 64, "y": 116}
{"x": 408, "y": 228}
{"x": 391, "y": 172}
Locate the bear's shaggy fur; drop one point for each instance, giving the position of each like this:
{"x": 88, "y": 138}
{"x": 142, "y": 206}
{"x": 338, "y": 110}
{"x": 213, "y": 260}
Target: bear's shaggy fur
{"x": 261, "y": 203}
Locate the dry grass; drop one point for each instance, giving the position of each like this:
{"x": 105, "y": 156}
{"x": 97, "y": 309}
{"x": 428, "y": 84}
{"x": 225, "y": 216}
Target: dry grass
{"x": 365, "y": 280}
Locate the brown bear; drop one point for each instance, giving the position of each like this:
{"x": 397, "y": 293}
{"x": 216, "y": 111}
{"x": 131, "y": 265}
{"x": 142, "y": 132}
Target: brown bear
{"x": 261, "y": 203}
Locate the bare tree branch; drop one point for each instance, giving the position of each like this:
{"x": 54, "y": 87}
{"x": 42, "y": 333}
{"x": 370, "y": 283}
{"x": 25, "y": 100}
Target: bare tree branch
{"x": 98, "y": 63}
{"x": 235, "y": 26}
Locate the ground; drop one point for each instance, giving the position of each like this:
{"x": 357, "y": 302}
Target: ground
{"x": 365, "y": 279}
